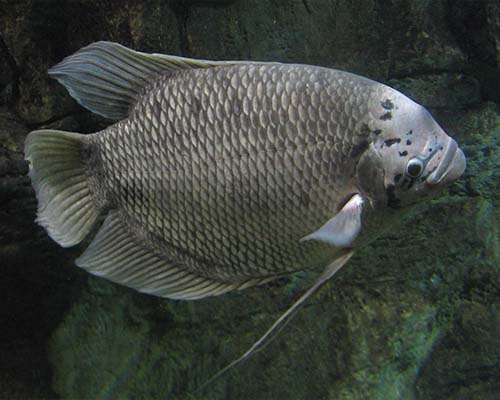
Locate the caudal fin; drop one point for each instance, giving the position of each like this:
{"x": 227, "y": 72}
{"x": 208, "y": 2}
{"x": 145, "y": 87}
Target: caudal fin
{"x": 66, "y": 205}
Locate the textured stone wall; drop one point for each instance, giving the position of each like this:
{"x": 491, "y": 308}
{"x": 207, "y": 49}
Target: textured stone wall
{"x": 414, "y": 316}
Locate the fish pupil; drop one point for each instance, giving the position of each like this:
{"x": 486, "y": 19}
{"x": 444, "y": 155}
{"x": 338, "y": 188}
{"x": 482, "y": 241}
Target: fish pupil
{"x": 414, "y": 169}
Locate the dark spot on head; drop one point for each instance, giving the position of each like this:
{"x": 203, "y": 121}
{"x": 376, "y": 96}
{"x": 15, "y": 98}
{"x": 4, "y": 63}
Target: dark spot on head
{"x": 430, "y": 150}
{"x": 365, "y": 130}
{"x": 390, "y": 142}
{"x": 392, "y": 200}
{"x": 359, "y": 148}
{"x": 387, "y": 104}
{"x": 408, "y": 142}
{"x": 397, "y": 178}
{"x": 386, "y": 116}
{"x": 410, "y": 133}
{"x": 403, "y": 153}
{"x": 377, "y": 132}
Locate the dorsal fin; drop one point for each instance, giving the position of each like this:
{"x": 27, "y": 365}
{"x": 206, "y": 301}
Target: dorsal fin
{"x": 106, "y": 77}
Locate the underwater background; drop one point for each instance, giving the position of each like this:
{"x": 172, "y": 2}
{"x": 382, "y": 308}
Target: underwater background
{"x": 416, "y": 315}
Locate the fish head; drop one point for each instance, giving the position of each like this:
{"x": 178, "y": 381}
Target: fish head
{"x": 409, "y": 155}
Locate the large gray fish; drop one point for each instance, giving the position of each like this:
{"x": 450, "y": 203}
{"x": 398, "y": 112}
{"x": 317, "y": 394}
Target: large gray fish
{"x": 224, "y": 175}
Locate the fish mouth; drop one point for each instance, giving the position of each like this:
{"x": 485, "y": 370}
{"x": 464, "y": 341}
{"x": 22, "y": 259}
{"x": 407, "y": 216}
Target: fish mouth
{"x": 450, "y": 168}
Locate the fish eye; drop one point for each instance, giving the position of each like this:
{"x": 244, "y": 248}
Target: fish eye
{"x": 414, "y": 168}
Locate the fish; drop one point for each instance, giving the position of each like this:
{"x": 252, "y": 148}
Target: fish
{"x": 222, "y": 175}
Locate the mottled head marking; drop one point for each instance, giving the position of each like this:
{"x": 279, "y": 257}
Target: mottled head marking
{"x": 386, "y": 116}
{"x": 387, "y": 104}
{"x": 390, "y": 142}
{"x": 409, "y": 155}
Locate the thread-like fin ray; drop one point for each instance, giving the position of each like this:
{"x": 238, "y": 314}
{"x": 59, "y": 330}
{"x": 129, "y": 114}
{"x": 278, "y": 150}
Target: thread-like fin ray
{"x": 107, "y": 78}
{"x": 116, "y": 254}
{"x": 281, "y": 322}
{"x": 66, "y": 204}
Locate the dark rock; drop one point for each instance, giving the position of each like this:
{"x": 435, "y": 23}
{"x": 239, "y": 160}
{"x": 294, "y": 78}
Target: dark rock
{"x": 443, "y": 91}
{"x": 376, "y": 39}
{"x": 8, "y": 78}
{"x": 476, "y": 26}
{"x": 415, "y": 315}
{"x": 34, "y": 292}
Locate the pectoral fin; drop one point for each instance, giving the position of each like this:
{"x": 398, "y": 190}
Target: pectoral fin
{"x": 344, "y": 227}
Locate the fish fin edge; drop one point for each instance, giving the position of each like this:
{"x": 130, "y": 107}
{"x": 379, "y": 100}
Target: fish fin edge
{"x": 342, "y": 229}
{"x": 117, "y": 255}
{"x": 66, "y": 204}
{"x": 107, "y": 78}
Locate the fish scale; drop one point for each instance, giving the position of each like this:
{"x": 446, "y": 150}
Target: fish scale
{"x": 275, "y": 167}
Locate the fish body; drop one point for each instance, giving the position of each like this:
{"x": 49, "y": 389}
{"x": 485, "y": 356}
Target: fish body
{"x": 224, "y": 175}
{"x": 228, "y": 168}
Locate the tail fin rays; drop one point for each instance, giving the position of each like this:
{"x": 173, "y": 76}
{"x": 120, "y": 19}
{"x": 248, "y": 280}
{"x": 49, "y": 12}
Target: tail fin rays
{"x": 66, "y": 205}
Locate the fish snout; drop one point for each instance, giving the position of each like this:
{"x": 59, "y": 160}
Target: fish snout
{"x": 451, "y": 166}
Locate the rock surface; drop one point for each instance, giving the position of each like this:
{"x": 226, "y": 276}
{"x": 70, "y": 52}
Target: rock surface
{"x": 414, "y": 316}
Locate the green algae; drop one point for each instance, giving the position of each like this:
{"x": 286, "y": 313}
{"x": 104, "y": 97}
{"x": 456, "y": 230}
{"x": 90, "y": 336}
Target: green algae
{"x": 414, "y": 316}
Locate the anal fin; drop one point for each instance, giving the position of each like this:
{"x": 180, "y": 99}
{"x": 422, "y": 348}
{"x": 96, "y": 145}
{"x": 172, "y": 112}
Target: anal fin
{"x": 117, "y": 255}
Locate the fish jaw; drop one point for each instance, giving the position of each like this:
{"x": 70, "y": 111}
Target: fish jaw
{"x": 450, "y": 168}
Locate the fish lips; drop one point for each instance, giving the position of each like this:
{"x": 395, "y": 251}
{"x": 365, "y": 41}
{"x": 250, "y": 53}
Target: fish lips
{"x": 450, "y": 168}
